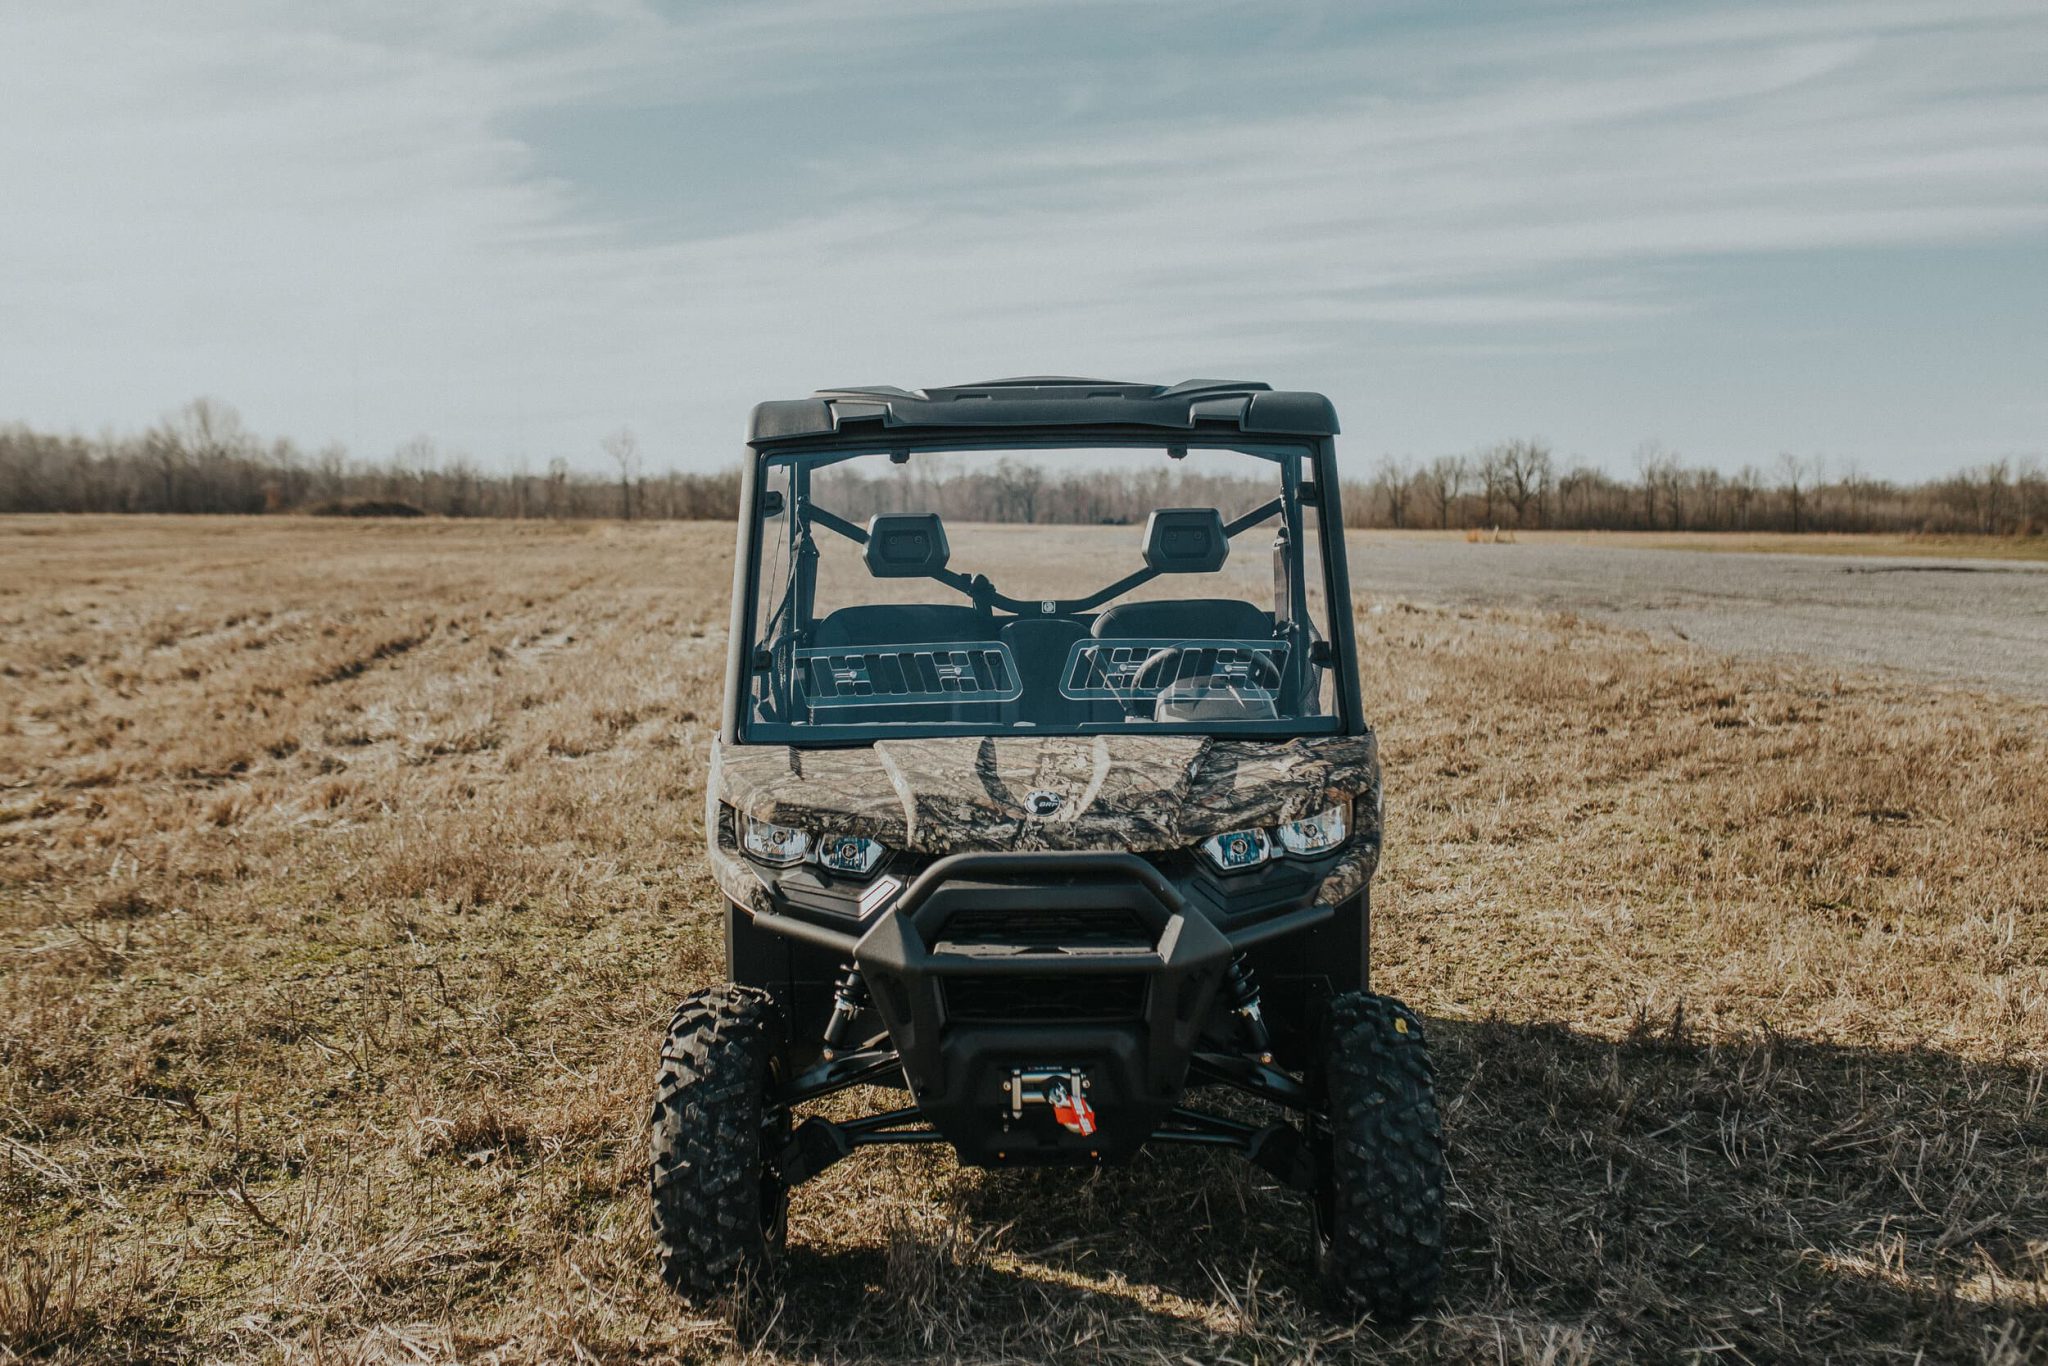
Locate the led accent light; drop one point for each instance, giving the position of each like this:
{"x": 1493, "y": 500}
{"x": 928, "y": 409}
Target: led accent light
{"x": 1235, "y": 850}
{"x": 1317, "y": 834}
{"x": 849, "y": 854}
{"x": 777, "y": 844}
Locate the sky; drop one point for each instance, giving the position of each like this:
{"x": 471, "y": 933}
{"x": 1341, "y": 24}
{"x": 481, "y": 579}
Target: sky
{"x": 516, "y": 226}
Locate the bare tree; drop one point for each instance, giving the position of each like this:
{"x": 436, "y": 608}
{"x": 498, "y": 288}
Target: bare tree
{"x": 1857, "y": 489}
{"x": 460, "y": 480}
{"x": 1017, "y": 486}
{"x": 1574, "y": 490}
{"x": 1522, "y": 470}
{"x": 165, "y": 457}
{"x": 1743, "y": 490}
{"x": 1707, "y": 485}
{"x": 624, "y": 449}
{"x": 204, "y": 459}
{"x": 1977, "y": 498}
{"x": 1996, "y": 478}
{"x": 330, "y": 471}
{"x": 1794, "y": 474}
{"x": 517, "y": 487}
{"x": 2030, "y": 491}
{"x": 556, "y": 495}
{"x": 1394, "y": 482}
{"x": 1661, "y": 474}
{"x": 208, "y": 429}
{"x": 1443, "y": 479}
{"x": 1486, "y": 467}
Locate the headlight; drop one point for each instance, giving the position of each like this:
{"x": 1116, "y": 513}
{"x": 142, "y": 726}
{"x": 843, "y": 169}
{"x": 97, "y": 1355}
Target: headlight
{"x": 777, "y": 844}
{"x": 1317, "y": 834}
{"x": 1234, "y": 850}
{"x": 850, "y": 854}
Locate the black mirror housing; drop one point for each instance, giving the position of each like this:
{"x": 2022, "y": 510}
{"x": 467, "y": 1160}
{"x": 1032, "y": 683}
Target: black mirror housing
{"x": 906, "y": 545}
{"x": 1185, "y": 541}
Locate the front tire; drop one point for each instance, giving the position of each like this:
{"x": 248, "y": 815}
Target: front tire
{"x": 1379, "y": 1199}
{"x": 720, "y": 1213}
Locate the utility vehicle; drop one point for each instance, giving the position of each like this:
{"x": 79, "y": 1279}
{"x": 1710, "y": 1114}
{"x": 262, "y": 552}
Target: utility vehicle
{"x": 1043, "y": 797}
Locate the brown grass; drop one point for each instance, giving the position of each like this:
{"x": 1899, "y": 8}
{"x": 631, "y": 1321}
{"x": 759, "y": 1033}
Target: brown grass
{"x": 347, "y": 873}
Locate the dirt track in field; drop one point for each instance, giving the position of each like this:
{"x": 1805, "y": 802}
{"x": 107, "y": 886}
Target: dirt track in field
{"x": 1972, "y": 622}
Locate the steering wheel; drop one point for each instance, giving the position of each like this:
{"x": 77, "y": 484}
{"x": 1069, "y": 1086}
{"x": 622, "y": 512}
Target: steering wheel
{"x": 1155, "y": 674}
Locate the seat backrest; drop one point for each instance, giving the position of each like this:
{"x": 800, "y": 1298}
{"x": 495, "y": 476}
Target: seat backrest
{"x": 913, "y": 623}
{"x": 1185, "y": 619}
{"x": 1179, "y": 619}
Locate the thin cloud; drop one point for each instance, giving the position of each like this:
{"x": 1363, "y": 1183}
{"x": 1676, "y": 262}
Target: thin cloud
{"x": 337, "y": 222}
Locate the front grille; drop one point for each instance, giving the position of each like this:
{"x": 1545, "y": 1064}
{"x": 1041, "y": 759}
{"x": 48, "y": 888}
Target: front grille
{"x": 1104, "y": 929}
{"x": 1091, "y": 998}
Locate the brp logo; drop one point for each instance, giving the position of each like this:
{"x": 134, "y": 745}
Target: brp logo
{"x": 1041, "y": 802}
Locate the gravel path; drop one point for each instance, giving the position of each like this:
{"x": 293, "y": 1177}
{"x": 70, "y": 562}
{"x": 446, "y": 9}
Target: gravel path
{"x": 1977, "y": 622}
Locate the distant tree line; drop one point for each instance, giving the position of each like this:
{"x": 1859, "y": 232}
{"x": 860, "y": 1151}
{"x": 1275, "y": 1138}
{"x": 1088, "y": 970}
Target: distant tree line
{"x": 203, "y": 460}
{"x": 1522, "y": 484}
{"x": 1017, "y": 490}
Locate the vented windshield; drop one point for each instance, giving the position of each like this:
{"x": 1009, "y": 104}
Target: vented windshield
{"x": 1121, "y": 589}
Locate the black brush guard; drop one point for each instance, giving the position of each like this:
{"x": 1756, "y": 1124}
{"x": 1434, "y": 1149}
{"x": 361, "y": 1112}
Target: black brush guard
{"x": 991, "y": 964}
{"x": 995, "y": 963}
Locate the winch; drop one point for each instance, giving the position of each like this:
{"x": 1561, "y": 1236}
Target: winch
{"x": 1062, "y": 1088}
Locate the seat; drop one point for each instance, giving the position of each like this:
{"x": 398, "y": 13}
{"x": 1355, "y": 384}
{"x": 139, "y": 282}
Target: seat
{"x": 1176, "y": 620}
{"x": 914, "y": 623}
{"x": 1185, "y": 619}
{"x": 1040, "y": 646}
{"x": 880, "y": 626}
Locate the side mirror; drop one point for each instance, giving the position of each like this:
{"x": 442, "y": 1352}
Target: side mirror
{"x": 772, "y": 503}
{"x": 906, "y": 545}
{"x": 1185, "y": 541}
{"x": 1321, "y": 652}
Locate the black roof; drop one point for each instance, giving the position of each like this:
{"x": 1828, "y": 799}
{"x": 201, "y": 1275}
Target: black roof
{"x": 1049, "y": 401}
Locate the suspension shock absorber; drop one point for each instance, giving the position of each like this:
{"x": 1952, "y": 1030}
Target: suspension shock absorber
{"x": 1243, "y": 987}
{"x": 849, "y": 998}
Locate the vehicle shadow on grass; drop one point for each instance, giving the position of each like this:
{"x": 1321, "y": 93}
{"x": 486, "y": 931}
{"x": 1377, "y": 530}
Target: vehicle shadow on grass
{"x": 1650, "y": 1198}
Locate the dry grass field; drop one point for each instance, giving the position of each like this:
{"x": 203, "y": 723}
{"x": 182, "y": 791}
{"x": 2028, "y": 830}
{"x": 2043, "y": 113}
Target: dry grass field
{"x": 347, "y": 874}
{"x": 1918, "y": 545}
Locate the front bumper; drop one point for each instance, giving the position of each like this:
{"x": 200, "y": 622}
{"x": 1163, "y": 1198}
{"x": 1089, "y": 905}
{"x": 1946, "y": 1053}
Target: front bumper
{"x": 992, "y": 964}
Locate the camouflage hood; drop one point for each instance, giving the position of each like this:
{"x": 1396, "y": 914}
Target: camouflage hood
{"x": 1136, "y": 792}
